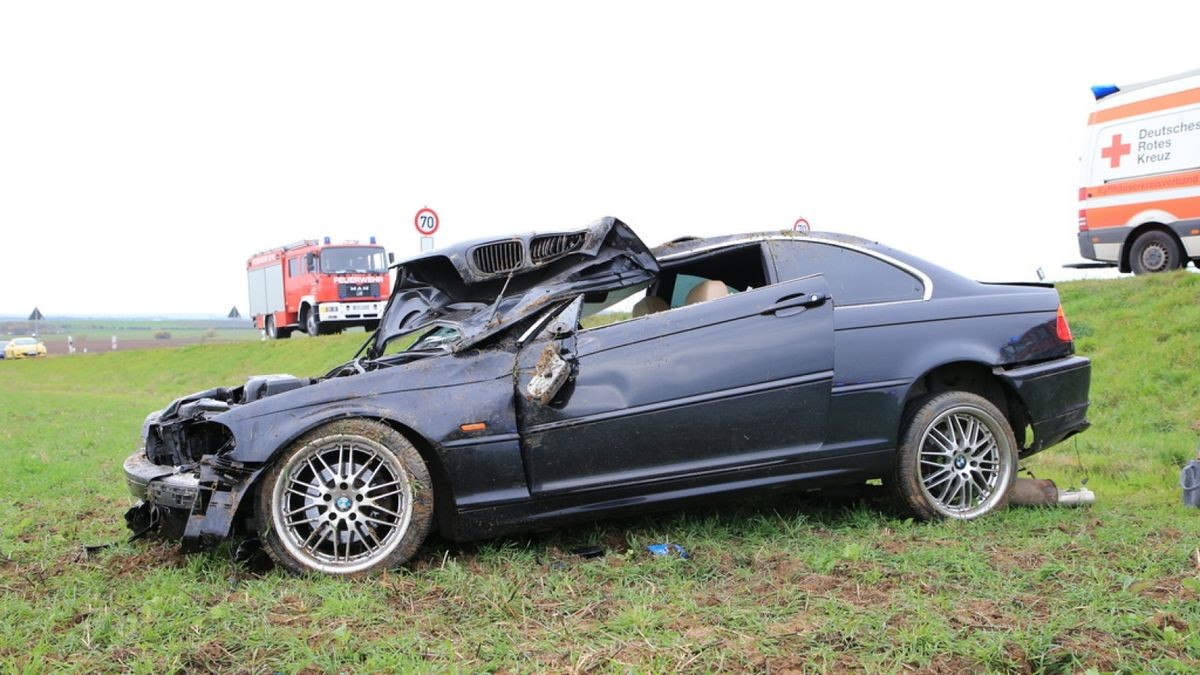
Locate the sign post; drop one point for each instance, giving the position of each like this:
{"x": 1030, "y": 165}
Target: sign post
{"x": 426, "y": 223}
{"x": 36, "y": 316}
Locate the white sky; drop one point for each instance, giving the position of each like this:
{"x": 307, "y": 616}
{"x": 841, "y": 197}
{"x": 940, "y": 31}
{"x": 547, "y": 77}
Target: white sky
{"x": 147, "y": 149}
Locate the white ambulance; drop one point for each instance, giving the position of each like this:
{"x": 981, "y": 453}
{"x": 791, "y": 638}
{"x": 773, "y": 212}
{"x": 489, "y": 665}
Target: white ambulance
{"x": 1139, "y": 205}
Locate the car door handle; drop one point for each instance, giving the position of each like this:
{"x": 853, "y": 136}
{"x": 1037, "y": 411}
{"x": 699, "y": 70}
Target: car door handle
{"x": 797, "y": 301}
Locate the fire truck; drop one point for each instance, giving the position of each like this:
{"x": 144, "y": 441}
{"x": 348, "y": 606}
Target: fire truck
{"x": 317, "y": 287}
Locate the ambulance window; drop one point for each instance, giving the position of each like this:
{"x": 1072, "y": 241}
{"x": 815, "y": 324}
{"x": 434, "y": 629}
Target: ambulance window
{"x": 854, "y": 278}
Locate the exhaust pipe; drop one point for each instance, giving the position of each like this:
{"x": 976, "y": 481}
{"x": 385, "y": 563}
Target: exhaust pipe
{"x": 1043, "y": 492}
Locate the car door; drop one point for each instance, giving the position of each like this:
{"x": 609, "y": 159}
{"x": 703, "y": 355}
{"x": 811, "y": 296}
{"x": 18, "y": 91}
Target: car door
{"x": 730, "y": 383}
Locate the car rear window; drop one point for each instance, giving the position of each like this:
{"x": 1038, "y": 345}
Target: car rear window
{"x": 854, "y": 278}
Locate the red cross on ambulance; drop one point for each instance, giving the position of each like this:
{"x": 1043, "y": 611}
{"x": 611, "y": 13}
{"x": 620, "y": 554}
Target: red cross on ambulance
{"x": 1115, "y": 152}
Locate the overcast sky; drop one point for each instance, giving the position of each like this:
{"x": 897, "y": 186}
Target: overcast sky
{"x": 148, "y": 149}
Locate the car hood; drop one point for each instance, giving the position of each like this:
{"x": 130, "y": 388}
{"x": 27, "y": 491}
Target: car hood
{"x": 482, "y": 287}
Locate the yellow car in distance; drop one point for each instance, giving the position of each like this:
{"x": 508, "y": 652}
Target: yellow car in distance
{"x": 19, "y": 348}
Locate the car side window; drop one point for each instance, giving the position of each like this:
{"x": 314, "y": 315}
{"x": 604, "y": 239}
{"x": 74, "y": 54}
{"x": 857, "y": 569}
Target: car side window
{"x": 854, "y": 278}
{"x": 685, "y": 284}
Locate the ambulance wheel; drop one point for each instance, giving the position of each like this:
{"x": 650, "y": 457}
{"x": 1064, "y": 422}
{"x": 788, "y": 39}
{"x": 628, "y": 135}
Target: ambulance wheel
{"x": 1154, "y": 251}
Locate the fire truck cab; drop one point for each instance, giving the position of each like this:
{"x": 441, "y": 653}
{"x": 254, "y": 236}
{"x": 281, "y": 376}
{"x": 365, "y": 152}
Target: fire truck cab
{"x": 1139, "y": 207}
{"x": 318, "y": 287}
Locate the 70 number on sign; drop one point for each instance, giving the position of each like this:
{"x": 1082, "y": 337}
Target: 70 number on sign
{"x": 426, "y": 222}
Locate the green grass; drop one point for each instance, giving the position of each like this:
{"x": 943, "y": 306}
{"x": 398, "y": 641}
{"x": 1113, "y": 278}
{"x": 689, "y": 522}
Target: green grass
{"x": 83, "y": 329}
{"x": 771, "y": 584}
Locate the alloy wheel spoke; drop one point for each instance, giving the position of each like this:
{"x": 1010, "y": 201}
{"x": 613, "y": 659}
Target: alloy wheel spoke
{"x": 294, "y": 523}
{"x": 297, "y": 481}
{"x": 377, "y": 521}
{"x": 371, "y": 535}
{"x": 376, "y": 507}
{"x": 300, "y": 509}
{"x": 332, "y": 475}
{"x": 320, "y": 529}
{"x": 362, "y": 469}
{"x": 950, "y": 486}
{"x": 941, "y": 440}
{"x": 981, "y": 484}
{"x": 375, "y": 498}
{"x": 930, "y": 483}
{"x": 370, "y": 488}
{"x": 306, "y": 495}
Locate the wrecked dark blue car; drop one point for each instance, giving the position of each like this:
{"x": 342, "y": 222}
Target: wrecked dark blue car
{"x": 488, "y": 402}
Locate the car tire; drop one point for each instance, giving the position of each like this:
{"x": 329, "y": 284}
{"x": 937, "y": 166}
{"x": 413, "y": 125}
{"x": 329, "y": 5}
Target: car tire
{"x": 1155, "y": 251}
{"x": 352, "y": 497}
{"x": 957, "y": 458}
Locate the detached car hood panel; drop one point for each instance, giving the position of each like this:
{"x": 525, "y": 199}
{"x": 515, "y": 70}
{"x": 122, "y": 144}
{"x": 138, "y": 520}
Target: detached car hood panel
{"x": 483, "y": 287}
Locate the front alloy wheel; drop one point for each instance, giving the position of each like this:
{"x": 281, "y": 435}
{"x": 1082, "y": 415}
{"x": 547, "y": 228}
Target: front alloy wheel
{"x": 957, "y": 458}
{"x": 351, "y": 497}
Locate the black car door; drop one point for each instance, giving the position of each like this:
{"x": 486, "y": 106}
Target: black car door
{"x": 734, "y": 382}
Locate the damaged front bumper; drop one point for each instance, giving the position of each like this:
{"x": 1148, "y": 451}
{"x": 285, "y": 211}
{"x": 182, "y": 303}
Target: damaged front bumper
{"x": 164, "y": 486}
{"x": 197, "y": 505}
{"x": 187, "y": 486}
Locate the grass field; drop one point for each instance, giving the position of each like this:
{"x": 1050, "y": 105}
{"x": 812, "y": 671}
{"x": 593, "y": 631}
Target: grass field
{"x": 773, "y": 584}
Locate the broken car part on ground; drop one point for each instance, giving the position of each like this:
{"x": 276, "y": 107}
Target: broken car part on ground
{"x": 752, "y": 364}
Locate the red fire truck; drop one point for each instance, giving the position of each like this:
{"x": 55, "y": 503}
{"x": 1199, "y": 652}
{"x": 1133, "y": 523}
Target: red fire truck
{"x": 318, "y": 287}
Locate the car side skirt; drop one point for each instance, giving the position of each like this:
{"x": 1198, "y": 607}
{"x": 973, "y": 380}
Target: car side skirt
{"x": 547, "y": 512}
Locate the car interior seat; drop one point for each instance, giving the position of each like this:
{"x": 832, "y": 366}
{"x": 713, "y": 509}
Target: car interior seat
{"x": 706, "y": 290}
{"x": 649, "y": 305}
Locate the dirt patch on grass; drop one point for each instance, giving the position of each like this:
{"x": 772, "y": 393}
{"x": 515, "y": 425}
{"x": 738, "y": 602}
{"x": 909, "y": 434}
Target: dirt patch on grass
{"x": 1082, "y": 649}
{"x": 846, "y": 589}
{"x": 950, "y": 664}
{"x": 1170, "y": 588}
{"x": 144, "y": 557}
{"x": 982, "y": 614}
{"x": 210, "y": 657}
{"x": 1009, "y": 559}
{"x": 289, "y": 611}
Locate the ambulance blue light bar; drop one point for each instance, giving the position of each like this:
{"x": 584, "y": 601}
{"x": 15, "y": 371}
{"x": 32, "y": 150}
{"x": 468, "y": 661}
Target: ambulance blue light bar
{"x": 1102, "y": 90}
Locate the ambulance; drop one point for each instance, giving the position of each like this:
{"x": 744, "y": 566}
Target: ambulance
{"x": 1139, "y": 207}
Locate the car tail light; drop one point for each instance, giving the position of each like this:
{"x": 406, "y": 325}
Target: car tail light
{"x": 1061, "y": 327}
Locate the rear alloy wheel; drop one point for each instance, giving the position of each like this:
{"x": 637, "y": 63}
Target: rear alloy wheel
{"x": 352, "y": 497}
{"x": 1155, "y": 251}
{"x": 957, "y": 458}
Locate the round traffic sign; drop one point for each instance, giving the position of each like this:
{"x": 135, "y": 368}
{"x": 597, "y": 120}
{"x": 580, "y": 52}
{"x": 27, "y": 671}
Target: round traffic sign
{"x": 426, "y": 222}
{"x": 801, "y": 225}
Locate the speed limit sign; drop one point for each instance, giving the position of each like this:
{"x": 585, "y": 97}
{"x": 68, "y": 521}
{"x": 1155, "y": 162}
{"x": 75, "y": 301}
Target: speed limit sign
{"x": 426, "y": 222}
